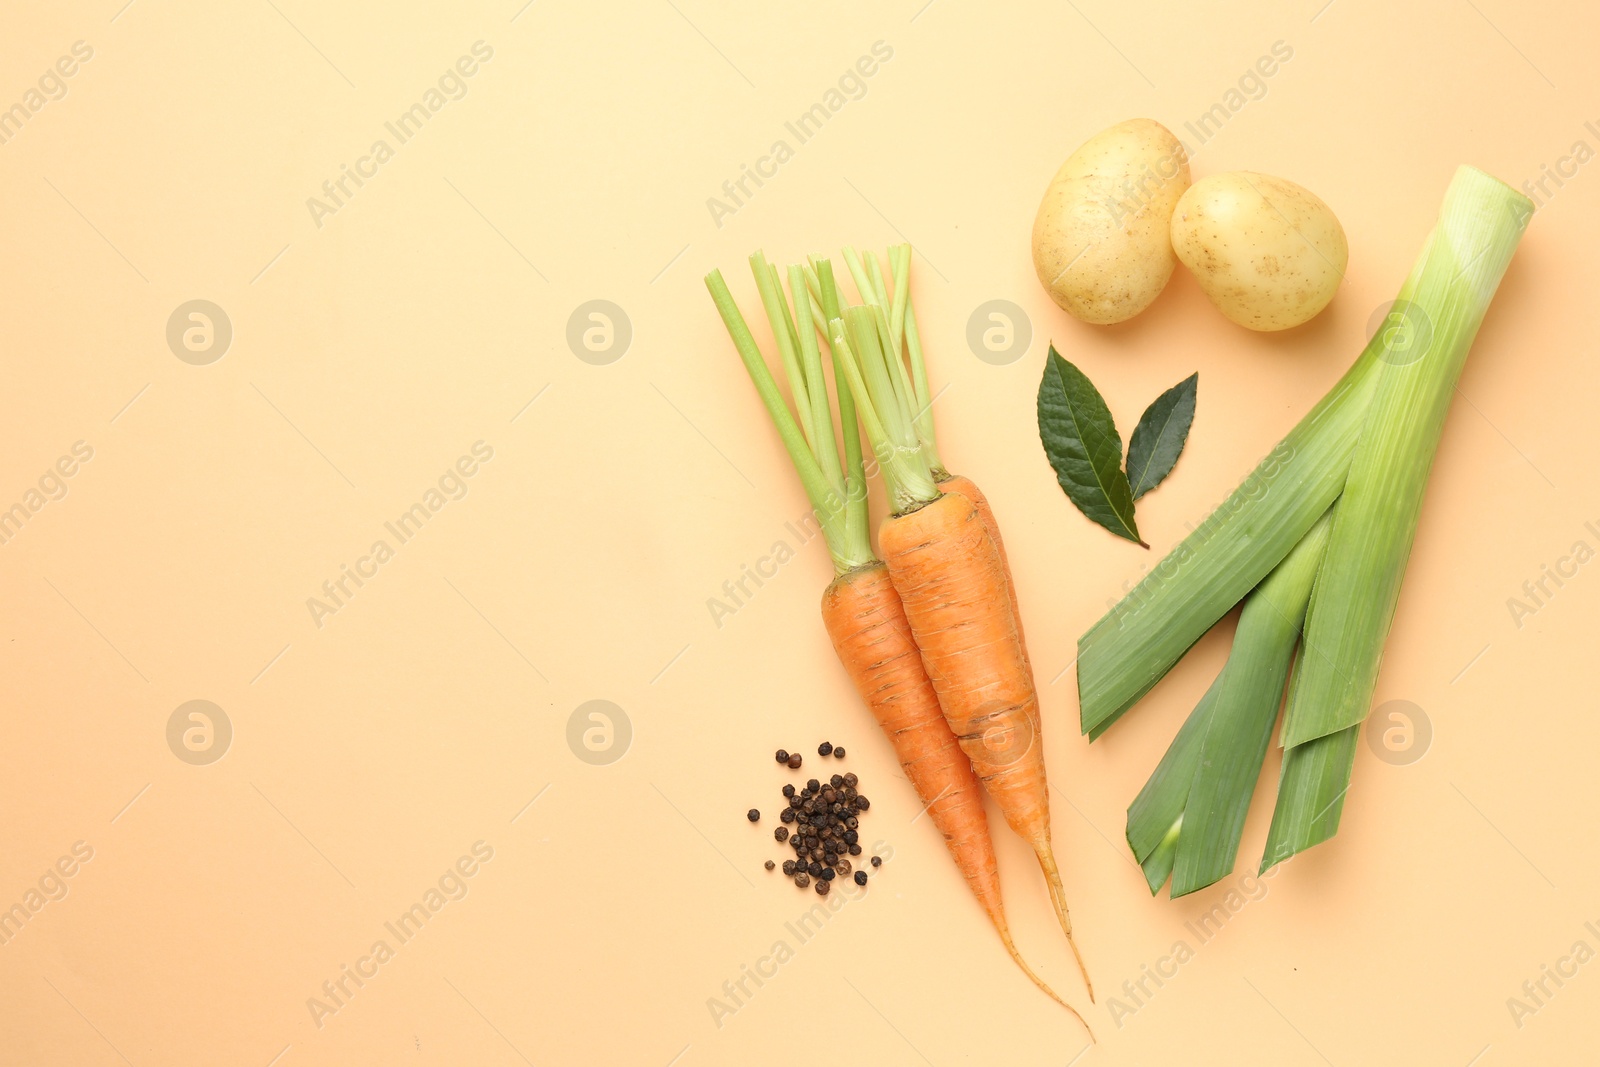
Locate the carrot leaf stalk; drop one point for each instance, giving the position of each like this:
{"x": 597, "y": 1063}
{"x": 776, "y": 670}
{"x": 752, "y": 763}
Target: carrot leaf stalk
{"x": 848, "y": 542}
{"x": 883, "y": 410}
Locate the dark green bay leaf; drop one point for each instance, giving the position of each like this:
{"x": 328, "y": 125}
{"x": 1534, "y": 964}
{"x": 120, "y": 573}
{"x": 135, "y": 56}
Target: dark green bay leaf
{"x": 1158, "y": 440}
{"x": 1083, "y": 447}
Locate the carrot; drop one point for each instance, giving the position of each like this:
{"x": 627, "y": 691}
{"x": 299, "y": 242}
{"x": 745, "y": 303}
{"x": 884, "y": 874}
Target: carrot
{"x": 860, "y": 608}
{"x": 864, "y": 618}
{"x": 955, "y": 588}
{"x": 889, "y": 292}
{"x": 952, "y": 583}
{"x": 964, "y": 486}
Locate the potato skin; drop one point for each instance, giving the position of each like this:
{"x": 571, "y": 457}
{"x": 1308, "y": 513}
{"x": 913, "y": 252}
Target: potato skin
{"x": 1101, "y": 240}
{"x": 1268, "y": 253}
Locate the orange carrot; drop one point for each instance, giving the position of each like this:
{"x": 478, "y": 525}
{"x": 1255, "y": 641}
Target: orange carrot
{"x": 870, "y": 633}
{"x": 860, "y": 608}
{"x": 887, "y": 290}
{"x": 961, "y": 484}
{"x": 951, "y": 582}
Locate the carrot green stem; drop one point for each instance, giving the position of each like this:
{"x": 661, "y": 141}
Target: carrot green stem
{"x": 822, "y": 441}
{"x": 824, "y": 309}
{"x": 784, "y": 333}
{"x": 831, "y": 507}
{"x": 899, "y": 327}
{"x": 869, "y": 282}
{"x": 900, "y": 268}
{"x": 858, "y": 274}
{"x": 919, "y": 376}
{"x": 905, "y": 472}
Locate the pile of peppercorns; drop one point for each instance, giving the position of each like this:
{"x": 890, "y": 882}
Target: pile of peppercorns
{"x": 826, "y": 817}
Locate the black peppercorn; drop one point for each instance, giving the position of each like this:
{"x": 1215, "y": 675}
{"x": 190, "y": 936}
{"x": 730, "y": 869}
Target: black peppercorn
{"x": 836, "y": 781}
{"x": 783, "y": 757}
{"x": 802, "y": 879}
{"x": 769, "y": 865}
{"x": 863, "y": 803}
{"x": 842, "y": 866}
{"x": 814, "y": 869}
{"x": 851, "y": 780}
{"x": 855, "y": 850}
{"x": 861, "y": 878}
{"x": 812, "y": 785}
{"x": 794, "y": 761}
{"x": 828, "y": 874}
{"x": 788, "y": 789}
{"x": 877, "y": 861}
{"x": 822, "y": 889}
{"x": 781, "y": 833}
{"x": 753, "y": 815}
{"x": 824, "y": 748}
{"x": 786, "y": 815}
{"x": 788, "y": 867}
{"x": 838, "y": 753}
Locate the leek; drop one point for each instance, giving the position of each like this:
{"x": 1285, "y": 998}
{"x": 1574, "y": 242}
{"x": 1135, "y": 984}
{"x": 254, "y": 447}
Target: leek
{"x": 1446, "y": 296}
{"x": 1133, "y": 646}
{"x": 1365, "y": 452}
{"x": 1448, "y": 293}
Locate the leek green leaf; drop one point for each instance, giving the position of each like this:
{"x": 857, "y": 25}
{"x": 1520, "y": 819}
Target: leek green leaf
{"x": 1250, "y": 692}
{"x": 1155, "y": 812}
{"x": 1311, "y": 790}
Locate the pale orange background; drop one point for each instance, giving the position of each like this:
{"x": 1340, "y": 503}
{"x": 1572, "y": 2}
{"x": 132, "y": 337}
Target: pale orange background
{"x": 369, "y": 354}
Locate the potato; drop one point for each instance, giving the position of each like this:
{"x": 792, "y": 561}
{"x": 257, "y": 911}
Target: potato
{"x": 1101, "y": 244}
{"x": 1268, "y": 252}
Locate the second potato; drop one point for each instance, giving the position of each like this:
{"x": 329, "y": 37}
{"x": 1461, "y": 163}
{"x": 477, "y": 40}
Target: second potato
{"x": 1269, "y": 253}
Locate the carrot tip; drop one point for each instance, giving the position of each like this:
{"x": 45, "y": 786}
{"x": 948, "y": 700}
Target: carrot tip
{"x": 1058, "y": 897}
{"x": 1087, "y": 984}
{"x": 1005, "y": 936}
